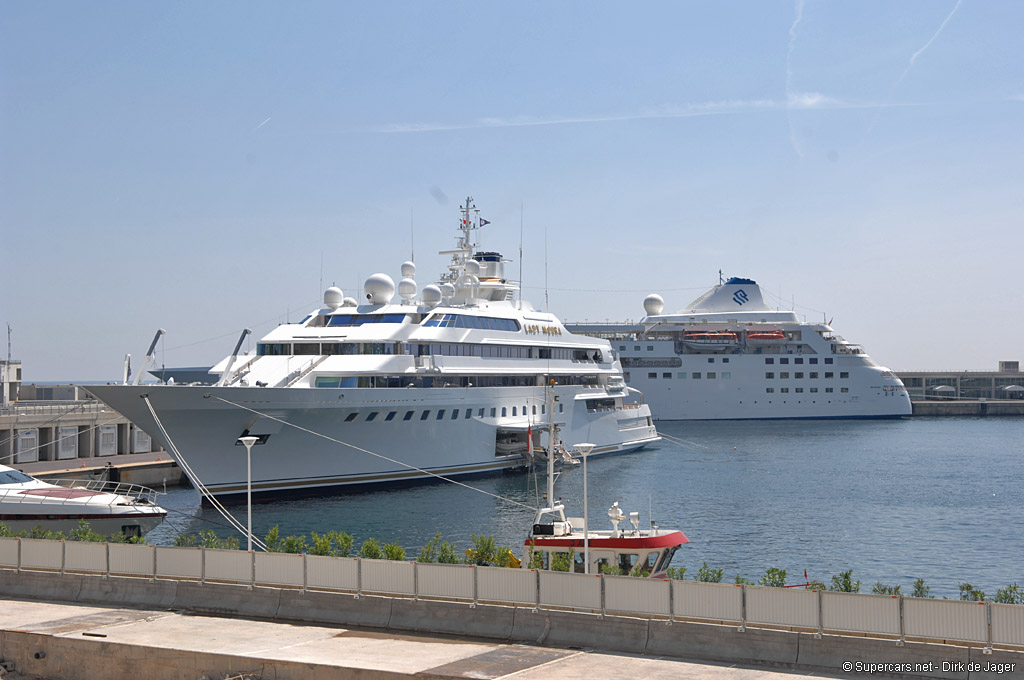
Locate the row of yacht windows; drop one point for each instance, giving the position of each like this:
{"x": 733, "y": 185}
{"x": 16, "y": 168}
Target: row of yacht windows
{"x": 799, "y": 390}
{"x": 796, "y": 360}
{"x": 455, "y": 413}
{"x": 696, "y": 375}
{"x": 452, "y": 349}
{"x": 436, "y": 320}
{"x": 452, "y": 380}
{"x": 813, "y": 375}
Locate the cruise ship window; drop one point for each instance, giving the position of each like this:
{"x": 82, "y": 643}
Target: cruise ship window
{"x": 425, "y": 415}
{"x": 769, "y": 375}
{"x": 799, "y": 389}
{"x": 769, "y": 390}
{"x": 681, "y": 375}
{"x": 844, "y": 389}
{"x": 711, "y": 375}
{"x": 408, "y": 415}
{"x": 828, "y": 390}
{"x": 440, "y": 414}
{"x": 784, "y": 360}
{"x": 711, "y": 360}
{"x": 513, "y": 411}
{"x": 622, "y": 348}
{"x": 798, "y": 361}
{"x": 695, "y": 376}
{"x": 652, "y": 376}
{"x": 784, "y": 375}
{"x": 799, "y": 375}
{"x": 504, "y": 411}
{"x": 534, "y": 409}
{"x": 829, "y": 374}
{"x": 814, "y": 374}
{"x": 469, "y": 413}
{"x": 812, "y": 360}
{"x": 494, "y": 412}
{"x": 725, "y": 360}
{"x": 813, "y": 390}
{"x": 844, "y": 374}
{"x": 726, "y": 375}
{"x": 784, "y": 390}
{"x": 373, "y": 414}
{"x": 455, "y": 414}
{"x": 480, "y": 413}
{"x": 650, "y": 348}
{"x": 351, "y": 417}
{"x": 391, "y": 415}
{"x": 636, "y": 348}
{"x": 561, "y": 408}
{"x": 769, "y": 361}
{"x": 666, "y": 376}
{"x": 828, "y": 360}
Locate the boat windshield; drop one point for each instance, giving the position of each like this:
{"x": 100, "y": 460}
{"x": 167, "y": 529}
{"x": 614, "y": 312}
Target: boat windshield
{"x": 13, "y": 477}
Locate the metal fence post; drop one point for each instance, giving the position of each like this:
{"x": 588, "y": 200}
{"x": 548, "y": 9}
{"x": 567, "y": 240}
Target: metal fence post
{"x": 671, "y": 601}
{"x": 476, "y": 587}
{"x": 603, "y": 606}
{"x": 107, "y": 550}
{"x": 202, "y": 566}
{"x": 252, "y": 569}
{"x": 821, "y": 618}
{"x": 359, "y": 577}
{"x": 18, "y": 570}
{"x": 536, "y": 584}
{"x": 415, "y": 582}
{"x": 902, "y": 640}
{"x": 63, "y": 553}
{"x": 153, "y": 548}
{"x": 988, "y": 617}
{"x": 743, "y": 609}
{"x": 305, "y": 575}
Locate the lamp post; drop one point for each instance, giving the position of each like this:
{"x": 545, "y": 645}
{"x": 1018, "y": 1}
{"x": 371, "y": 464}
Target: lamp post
{"x": 585, "y": 450}
{"x": 248, "y": 442}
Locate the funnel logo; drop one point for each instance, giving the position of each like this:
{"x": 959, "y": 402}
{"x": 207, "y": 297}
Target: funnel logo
{"x": 740, "y": 297}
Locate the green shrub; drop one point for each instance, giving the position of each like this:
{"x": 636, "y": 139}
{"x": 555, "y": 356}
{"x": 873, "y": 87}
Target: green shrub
{"x": 676, "y": 573}
{"x": 370, "y": 550}
{"x": 1011, "y": 594}
{"x": 708, "y": 575}
{"x": 394, "y": 552}
{"x": 970, "y": 593}
{"x": 881, "y": 589}
{"x": 920, "y": 589}
{"x": 844, "y": 583}
{"x": 773, "y": 578}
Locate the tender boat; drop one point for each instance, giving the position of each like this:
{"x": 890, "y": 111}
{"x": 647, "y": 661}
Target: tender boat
{"x": 447, "y": 381}
{"x": 60, "y": 505}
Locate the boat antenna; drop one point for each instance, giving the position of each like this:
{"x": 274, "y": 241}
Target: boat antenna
{"x": 520, "y": 254}
{"x": 720, "y": 279}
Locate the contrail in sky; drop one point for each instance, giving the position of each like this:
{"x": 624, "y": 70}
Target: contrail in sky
{"x": 262, "y": 124}
{"x": 928, "y": 44}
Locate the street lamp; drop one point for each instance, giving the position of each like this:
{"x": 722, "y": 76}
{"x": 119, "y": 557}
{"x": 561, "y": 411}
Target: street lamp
{"x": 585, "y": 450}
{"x": 248, "y": 441}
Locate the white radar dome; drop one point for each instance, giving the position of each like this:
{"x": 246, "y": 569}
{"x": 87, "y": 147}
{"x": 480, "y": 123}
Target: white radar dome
{"x": 473, "y": 268}
{"x": 653, "y": 304}
{"x": 349, "y": 302}
{"x": 467, "y": 281}
{"x": 408, "y": 269}
{"x": 431, "y": 295}
{"x": 447, "y": 290}
{"x": 379, "y": 289}
{"x": 407, "y": 288}
{"x": 333, "y": 297}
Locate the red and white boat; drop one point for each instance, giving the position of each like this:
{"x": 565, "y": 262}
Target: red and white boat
{"x": 108, "y": 507}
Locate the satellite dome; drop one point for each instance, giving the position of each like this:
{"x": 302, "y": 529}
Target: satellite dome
{"x": 379, "y": 289}
{"x": 472, "y": 268}
{"x": 407, "y": 288}
{"x": 349, "y": 302}
{"x": 333, "y": 297}
{"x": 467, "y": 281}
{"x": 447, "y": 290}
{"x": 653, "y": 304}
{"x": 431, "y": 295}
{"x": 408, "y": 269}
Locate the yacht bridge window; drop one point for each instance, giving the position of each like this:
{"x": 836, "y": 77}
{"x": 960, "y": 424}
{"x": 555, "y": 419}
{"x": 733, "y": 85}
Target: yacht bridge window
{"x": 488, "y": 323}
{"x": 360, "y": 319}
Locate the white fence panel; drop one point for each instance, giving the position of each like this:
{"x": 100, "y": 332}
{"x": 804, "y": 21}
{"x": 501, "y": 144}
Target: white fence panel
{"x": 387, "y": 576}
{"x": 179, "y": 562}
{"x": 719, "y": 601}
{"x": 89, "y": 557}
{"x": 499, "y": 584}
{"x": 445, "y": 580}
{"x": 332, "y": 573}
{"x": 279, "y": 569}
{"x": 561, "y": 589}
{"x": 1008, "y": 624}
{"x": 636, "y": 595}
{"x": 945, "y": 619}
{"x": 782, "y": 606}
{"x": 228, "y": 565}
{"x": 127, "y": 558}
{"x": 39, "y": 553}
{"x": 860, "y": 613}
{"x": 9, "y": 552}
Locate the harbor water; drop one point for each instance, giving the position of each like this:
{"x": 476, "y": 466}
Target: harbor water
{"x": 935, "y": 498}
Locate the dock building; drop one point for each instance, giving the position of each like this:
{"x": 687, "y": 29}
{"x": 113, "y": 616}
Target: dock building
{"x": 1005, "y": 383}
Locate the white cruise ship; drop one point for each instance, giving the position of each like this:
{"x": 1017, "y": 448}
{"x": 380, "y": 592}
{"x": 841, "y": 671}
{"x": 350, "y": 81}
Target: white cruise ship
{"x": 729, "y": 356}
{"x": 450, "y": 380}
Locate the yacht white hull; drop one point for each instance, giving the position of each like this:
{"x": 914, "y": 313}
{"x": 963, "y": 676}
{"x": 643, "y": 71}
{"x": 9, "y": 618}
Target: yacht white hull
{"x": 134, "y": 524}
{"x": 316, "y": 449}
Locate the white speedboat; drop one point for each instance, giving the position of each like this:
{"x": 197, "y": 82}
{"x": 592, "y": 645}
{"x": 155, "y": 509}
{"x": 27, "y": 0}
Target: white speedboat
{"x": 446, "y": 381}
{"x": 729, "y": 356}
{"x": 60, "y": 505}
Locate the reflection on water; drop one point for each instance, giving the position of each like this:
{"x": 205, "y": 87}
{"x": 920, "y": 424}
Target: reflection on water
{"x": 939, "y": 498}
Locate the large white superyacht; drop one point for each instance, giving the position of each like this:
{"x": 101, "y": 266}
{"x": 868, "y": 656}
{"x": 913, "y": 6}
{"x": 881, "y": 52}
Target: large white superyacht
{"x": 450, "y": 380}
{"x": 729, "y": 356}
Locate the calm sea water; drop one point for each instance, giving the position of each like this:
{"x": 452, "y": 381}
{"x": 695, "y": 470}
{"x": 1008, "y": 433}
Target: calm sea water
{"x": 936, "y": 498}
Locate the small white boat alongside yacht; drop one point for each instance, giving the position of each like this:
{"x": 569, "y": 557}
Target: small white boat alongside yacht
{"x": 60, "y": 505}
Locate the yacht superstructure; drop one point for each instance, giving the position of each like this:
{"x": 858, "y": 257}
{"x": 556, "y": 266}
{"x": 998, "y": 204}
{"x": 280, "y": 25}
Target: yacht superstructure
{"x": 729, "y": 356}
{"x": 447, "y": 381}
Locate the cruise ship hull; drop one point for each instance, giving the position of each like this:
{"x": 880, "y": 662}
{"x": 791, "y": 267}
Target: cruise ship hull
{"x": 315, "y": 440}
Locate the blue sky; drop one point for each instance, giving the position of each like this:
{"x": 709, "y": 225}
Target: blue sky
{"x": 190, "y": 165}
